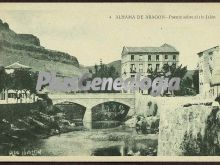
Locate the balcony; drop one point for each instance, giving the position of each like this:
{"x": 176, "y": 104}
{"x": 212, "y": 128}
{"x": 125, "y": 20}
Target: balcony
{"x": 133, "y": 71}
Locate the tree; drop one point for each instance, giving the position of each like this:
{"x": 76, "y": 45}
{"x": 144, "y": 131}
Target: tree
{"x": 5, "y": 82}
{"x": 19, "y": 80}
{"x": 196, "y": 81}
{"x": 105, "y": 71}
{"x": 2, "y": 78}
{"x": 190, "y": 145}
{"x": 173, "y": 70}
{"x": 178, "y": 71}
{"x": 188, "y": 86}
{"x": 23, "y": 80}
{"x": 96, "y": 68}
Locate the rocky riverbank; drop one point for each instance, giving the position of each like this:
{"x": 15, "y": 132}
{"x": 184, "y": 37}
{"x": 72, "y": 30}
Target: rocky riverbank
{"x": 144, "y": 124}
{"x": 36, "y": 125}
{"x": 22, "y": 125}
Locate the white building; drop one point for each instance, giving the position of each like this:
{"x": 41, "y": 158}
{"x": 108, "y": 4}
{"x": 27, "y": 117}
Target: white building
{"x": 209, "y": 72}
{"x": 143, "y": 59}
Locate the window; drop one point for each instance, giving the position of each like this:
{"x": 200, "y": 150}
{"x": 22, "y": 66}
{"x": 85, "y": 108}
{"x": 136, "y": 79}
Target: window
{"x": 140, "y": 67}
{"x": 174, "y": 57}
{"x": 132, "y": 57}
{"x": 140, "y": 58}
{"x": 166, "y": 57}
{"x": 157, "y": 58}
{"x": 157, "y": 67}
{"x": 132, "y": 69}
{"x": 149, "y": 57}
{"x": 149, "y": 68}
{"x": 132, "y": 76}
{"x": 210, "y": 53}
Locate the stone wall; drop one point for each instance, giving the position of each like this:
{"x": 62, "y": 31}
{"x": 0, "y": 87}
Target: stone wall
{"x": 146, "y": 103}
{"x": 177, "y": 121}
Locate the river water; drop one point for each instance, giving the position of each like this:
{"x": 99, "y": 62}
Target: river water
{"x": 117, "y": 141}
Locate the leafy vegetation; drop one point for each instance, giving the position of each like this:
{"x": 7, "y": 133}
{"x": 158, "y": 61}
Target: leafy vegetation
{"x": 193, "y": 146}
{"x": 206, "y": 145}
{"x": 19, "y": 80}
{"x": 188, "y": 86}
{"x": 105, "y": 71}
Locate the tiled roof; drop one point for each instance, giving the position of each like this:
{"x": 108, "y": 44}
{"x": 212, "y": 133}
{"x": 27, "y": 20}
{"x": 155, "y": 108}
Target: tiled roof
{"x": 208, "y": 50}
{"x": 17, "y": 65}
{"x": 163, "y": 48}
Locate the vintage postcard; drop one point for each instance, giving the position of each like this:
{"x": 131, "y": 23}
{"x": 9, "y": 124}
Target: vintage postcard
{"x": 109, "y": 82}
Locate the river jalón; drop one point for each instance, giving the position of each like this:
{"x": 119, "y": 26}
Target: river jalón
{"x": 108, "y": 136}
{"x": 119, "y": 141}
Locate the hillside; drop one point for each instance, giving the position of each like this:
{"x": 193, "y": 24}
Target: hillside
{"x": 26, "y": 49}
{"x": 116, "y": 64}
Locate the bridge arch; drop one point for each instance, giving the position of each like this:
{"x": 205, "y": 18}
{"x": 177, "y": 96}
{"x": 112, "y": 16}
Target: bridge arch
{"x": 72, "y": 111}
{"x": 91, "y": 103}
{"x": 109, "y": 110}
{"x": 90, "y": 100}
{"x": 71, "y": 101}
{"x": 112, "y": 100}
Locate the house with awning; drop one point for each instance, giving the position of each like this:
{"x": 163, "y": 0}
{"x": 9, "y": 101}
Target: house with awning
{"x": 15, "y": 66}
{"x": 11, "y": 95}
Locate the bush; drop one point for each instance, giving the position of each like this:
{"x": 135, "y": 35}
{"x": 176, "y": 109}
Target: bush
{"x": 193, "y": 146}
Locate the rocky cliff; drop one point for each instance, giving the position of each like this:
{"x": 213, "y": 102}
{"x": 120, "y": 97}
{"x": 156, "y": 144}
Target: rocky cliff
{"x": 26, "y": 49}
{"x": 190, "y": 130}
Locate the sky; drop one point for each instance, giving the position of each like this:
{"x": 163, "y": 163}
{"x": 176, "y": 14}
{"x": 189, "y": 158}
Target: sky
{"x": 87, "y": 32}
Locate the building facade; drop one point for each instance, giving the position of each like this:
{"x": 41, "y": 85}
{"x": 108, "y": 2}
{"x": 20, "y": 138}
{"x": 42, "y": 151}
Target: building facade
{"x": 209, "y": 72}
{"x": 143, "y": 59}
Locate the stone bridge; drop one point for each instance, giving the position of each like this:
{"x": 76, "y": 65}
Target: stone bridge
{"x": 89, "y": 100}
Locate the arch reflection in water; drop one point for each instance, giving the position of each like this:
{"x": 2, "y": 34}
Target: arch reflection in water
{"x": 130, "y": 148}
{"x": 108, "y": 114}
{"x": 72, "y": 112}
